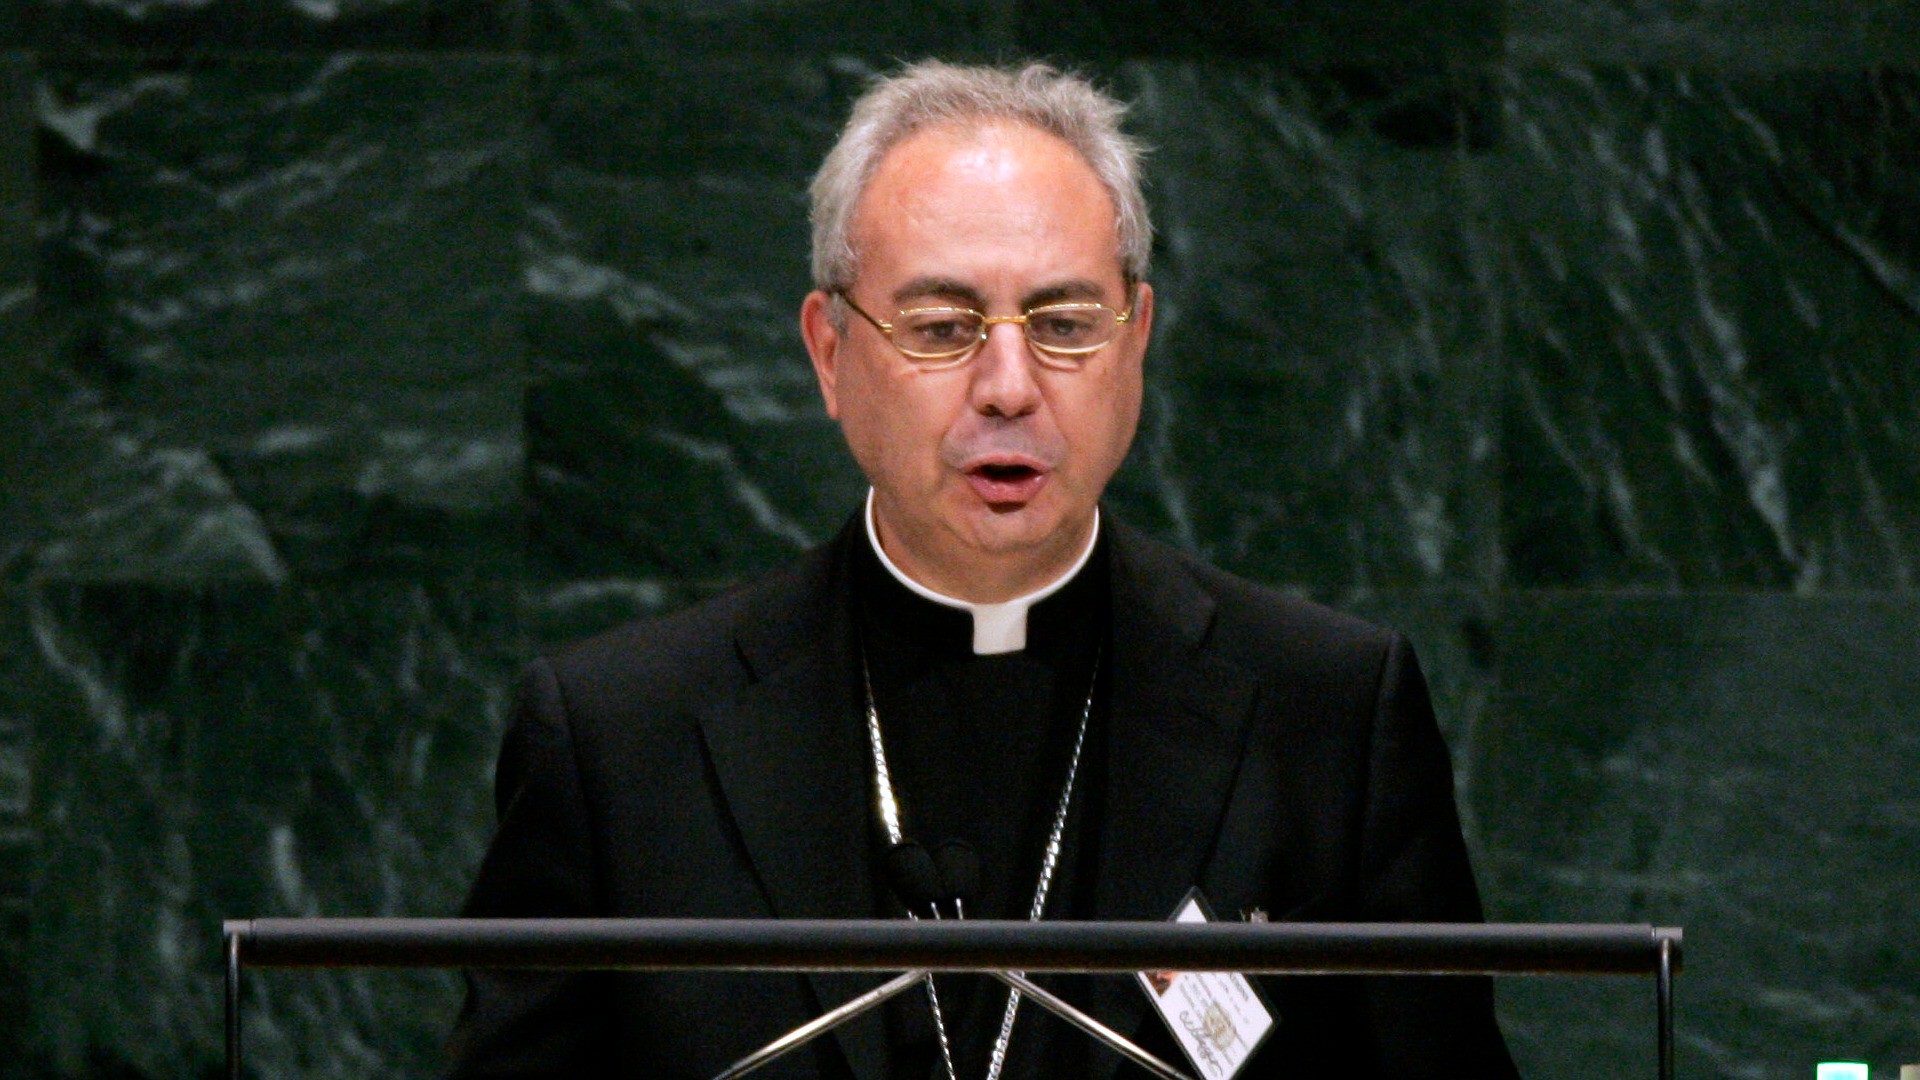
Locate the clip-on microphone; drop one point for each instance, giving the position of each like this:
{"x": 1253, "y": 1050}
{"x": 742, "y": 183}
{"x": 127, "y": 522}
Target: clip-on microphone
{"x": 933, "y": 885}
{"x": 959, "y": 867}
{"x": 915, "y": 879}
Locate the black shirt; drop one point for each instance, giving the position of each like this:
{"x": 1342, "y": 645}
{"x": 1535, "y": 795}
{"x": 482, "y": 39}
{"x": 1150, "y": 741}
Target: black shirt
{"x": 978, "y": 748}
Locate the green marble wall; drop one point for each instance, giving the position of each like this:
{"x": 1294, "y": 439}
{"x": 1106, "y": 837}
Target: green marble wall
{"x": 357, "y": 349}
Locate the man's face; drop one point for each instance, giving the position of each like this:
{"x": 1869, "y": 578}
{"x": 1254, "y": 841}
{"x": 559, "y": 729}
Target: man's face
{"x": 986, "y": 474}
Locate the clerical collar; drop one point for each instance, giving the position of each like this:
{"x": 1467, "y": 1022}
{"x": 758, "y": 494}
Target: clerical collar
{"x": 997, "y": 628}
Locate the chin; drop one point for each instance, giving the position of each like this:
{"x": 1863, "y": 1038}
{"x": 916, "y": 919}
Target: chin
{"x": 1016, "y": 529}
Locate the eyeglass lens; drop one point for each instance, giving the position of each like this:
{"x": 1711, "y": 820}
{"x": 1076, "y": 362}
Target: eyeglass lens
{"x": 1063, "y": 328}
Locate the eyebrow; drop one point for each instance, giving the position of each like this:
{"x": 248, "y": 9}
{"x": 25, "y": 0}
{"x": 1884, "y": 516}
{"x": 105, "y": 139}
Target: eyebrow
{"x": 1077, "y": 289}
{"x": 939, "y": 288}
{"x": 924, "y": 288}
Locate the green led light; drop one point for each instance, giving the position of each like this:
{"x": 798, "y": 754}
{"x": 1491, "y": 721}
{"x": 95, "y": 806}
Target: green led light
{"x": 1840, "y": 1070}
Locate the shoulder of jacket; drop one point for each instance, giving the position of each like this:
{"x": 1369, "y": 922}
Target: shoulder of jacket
{"x": 1257, "y": 625}
{"x": 679, "y": 655}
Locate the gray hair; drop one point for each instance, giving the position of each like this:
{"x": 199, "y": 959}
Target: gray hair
{"x": 931, "y": 92}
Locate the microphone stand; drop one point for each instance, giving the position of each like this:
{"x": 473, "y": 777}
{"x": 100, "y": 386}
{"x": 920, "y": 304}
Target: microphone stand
{"x": 1047, "y": 1000}
{"x": 821, "y": 1024}
{"x": 921, "y": 880}
{"x": 1101, "y": 1033}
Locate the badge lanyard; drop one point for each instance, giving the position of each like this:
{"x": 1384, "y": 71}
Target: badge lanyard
{"x": 890, "y": 819}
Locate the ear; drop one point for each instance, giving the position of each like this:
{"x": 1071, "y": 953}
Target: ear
{"x": 1142, "y": 318}
{"x": 823, "y": 346}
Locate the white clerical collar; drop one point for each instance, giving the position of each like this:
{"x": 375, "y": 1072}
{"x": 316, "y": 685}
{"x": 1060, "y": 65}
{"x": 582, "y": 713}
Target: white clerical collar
{"x": 997, "y": 628}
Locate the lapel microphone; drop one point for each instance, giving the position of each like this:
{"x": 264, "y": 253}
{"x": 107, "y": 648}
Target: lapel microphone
{"x": 959, "y": 867}
{"x": 933, "y": 884}
{"x": 915, "y": 880}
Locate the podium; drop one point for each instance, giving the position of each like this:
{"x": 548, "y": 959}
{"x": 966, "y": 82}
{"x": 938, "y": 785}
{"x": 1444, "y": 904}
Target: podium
{"x": 881, "y": 945}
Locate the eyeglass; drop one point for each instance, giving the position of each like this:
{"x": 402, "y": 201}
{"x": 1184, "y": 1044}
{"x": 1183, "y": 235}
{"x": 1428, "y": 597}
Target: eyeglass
{"x": 1063, "y": 336}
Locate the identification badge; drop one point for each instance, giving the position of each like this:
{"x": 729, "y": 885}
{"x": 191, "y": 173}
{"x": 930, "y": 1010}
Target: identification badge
{"x": 1217, "y": 1017}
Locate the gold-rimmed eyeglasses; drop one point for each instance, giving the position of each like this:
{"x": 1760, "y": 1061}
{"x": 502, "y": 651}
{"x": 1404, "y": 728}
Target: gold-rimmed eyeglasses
{"x": 1063, "y": 336}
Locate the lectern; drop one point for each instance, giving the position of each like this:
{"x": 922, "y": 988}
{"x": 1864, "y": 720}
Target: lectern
{"x": 987, "y": 947}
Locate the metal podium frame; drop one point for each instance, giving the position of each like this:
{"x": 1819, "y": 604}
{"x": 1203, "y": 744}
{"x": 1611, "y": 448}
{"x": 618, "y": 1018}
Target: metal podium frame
{"x": 882, "y": 945}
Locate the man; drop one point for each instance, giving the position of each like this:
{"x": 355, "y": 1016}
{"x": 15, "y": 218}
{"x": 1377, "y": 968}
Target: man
{"x": 980, "y": 662}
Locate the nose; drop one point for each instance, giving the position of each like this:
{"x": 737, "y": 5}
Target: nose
{"x": 1003, "y": 374}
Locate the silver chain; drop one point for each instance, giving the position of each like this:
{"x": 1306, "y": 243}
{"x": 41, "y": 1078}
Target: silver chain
{"x": 890, "y": 820}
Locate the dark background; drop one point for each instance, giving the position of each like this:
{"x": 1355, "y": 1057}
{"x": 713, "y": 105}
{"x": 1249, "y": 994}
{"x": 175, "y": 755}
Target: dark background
{"x": 355, "y": 350}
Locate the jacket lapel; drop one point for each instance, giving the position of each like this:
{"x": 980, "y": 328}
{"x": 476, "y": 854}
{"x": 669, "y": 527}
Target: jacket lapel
{"x": 789, "y": 754}
{"x": 1177, "y": 732}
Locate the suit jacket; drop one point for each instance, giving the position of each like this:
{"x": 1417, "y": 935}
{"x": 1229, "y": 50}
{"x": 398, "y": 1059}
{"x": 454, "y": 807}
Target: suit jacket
{"x": 713, "y": 763}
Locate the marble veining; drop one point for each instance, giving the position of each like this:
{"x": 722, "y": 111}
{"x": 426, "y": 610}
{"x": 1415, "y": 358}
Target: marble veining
{"x": 1670, "y": 373}
{"x": 359, "y": 351}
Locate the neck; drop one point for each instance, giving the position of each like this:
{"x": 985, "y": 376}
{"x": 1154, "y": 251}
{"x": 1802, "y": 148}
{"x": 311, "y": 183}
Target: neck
{"x": 993, "y": 581}
{"x": 999, "y": 626}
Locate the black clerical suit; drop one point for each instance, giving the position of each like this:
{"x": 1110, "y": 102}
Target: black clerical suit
{"x": 715, "y": 763}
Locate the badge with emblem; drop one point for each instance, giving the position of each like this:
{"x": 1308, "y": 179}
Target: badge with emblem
{"x": 1218, "y": 1017}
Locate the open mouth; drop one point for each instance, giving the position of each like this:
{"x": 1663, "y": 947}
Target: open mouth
{"x": 1009, "y": 473}
{"x": 1006, "y": 485}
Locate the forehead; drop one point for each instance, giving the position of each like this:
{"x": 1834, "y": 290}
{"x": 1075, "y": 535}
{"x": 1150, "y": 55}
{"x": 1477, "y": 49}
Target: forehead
{"x": 1001, "y": 205}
